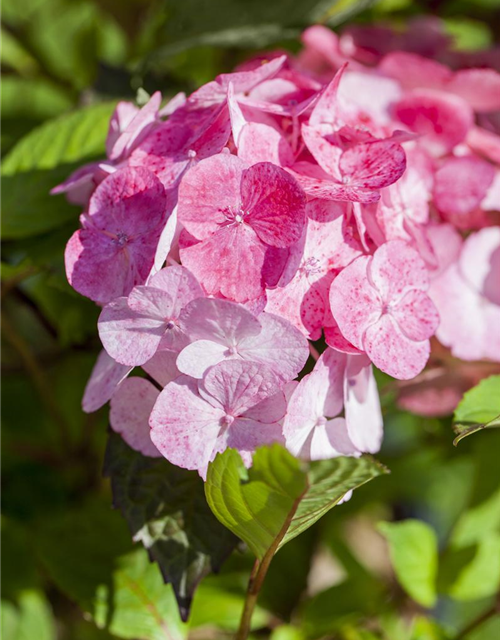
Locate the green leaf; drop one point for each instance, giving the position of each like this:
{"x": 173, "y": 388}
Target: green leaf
{"x": 31, "y": 617}
{"x": 480, "y": 578}
{"x": 40, "y": 161}
{"x": 166, "y": 509}
{"x": 414, "y": 555}
{"x": 89, "y": 556}
{"x": 478, "y": 409}
{"x": 279, "y": 497}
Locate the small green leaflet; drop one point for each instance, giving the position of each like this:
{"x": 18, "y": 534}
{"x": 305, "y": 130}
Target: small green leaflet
{"x": 479, "y": 409}
{"x": 279, "y": 497}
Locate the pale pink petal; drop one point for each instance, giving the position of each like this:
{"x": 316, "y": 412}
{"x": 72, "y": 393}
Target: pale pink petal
{"x": 161, "y": 367}
{"x": 480, "y": 262}
{"x": 279, "y": 345}
{"x": 373, "y": 165}
{"x": 395, "y": 269}
{"x": 443, "y": 120}
{"x": 484, "y": 142}
{"x": 479, "y": 87}
{"x": 167, "y": 239}
{"x": 270, "y": 410}
{"x": 131, "y": 337}
{"x": 181, "y": 286}
{"x": 354, "y": 302}
{"x": 262, "y": 143}
{"x": 229, "y": 263}
{"x": 416, "y": 315}
{"x": 106, "y": 375}
{"x": 122, "y": 116}
{"x": 446, "y": 244}
{"x": 237, "y": 385}
{"x": 326, "y": 115}
{"x": 363, "y": 414}
{"x": 392, "y": 352}
{"x": 131, "y": 406}
{"x": 208, "y": 193}
{"x": 197, "y": 357}
{"x": 184, "y": 427}
{"x": 326, "y": 154}
{"x": 273, "y": 204}
{"x": 415, "y": 71}
{"x": 330, "y": 440}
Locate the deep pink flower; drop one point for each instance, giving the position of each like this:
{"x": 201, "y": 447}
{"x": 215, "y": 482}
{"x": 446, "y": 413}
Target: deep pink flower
{"x": 115, "y": 249}
{"x": 236, "y": 212}
{"x": 381, "y": 307}
{"x": 238, "y": 404}
{"x": 133, "y": 328}
{"x": 221, "y": 330}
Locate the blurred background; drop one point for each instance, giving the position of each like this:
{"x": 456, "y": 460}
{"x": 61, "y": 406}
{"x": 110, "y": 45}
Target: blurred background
{"x": 70, "y": 570}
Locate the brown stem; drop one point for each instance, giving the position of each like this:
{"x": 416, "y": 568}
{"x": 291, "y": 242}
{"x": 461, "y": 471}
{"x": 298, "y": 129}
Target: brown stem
{"x": 259, "y": 572}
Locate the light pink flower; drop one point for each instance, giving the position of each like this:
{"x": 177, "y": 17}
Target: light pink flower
{"x": 467, "y": 295}
{"x": 381, "y": 307}
{"x": 238, "y": 404}
{"x": 313, "y": 428}
{"x": 236, "y": 212}
{"x": 132, "y": 328}
{"x": 221, "y": 330}
{"x": 115, "y": 249}
{"x": 106, "y": 375}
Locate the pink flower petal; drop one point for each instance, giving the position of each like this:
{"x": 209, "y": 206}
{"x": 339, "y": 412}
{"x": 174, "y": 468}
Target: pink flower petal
{"x": 229, "y": 263}
{"x": 208, "y": 193}
{"x": 274, "y": 204}
{"x": 262, "y": 143}
{"x": 374, "y": 165}
{"x": 416, "y": 315}
{"x": 131, "y": 406}
{"x": 392, "y": 352}
{"x": 480, "y": 262}
{"x": 103, "y": 382}
{"x": 181, "y": 286}
{"x": 479, "y": 87}
{"x": 414, "y": 71}
{"x": 161, "y": 367}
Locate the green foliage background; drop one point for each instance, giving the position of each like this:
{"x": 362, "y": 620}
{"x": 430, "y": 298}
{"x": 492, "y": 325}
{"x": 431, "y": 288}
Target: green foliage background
{"x": 70, "y": 568}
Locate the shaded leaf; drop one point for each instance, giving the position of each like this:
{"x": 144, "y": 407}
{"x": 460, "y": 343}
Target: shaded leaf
{"x": 30, "y": 617}
{"x": 279, "y": 497}
{"x": 166, "y": 509}
{"x": 414, "y": 555}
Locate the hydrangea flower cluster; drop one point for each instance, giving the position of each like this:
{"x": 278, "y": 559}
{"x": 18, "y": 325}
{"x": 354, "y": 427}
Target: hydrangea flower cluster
{"x": 349, "y": 194}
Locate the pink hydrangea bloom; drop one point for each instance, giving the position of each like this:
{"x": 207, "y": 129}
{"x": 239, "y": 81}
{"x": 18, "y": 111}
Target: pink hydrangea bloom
{"x": 133, "y": 328}
{"x": 467, "y": 296}
{"x": 381, "y": 306}
{"x": 106, "y": 375}
{"x": 220, "y": 330}
{"x": 236, "y": 212}
{"x": 238, "y": 404}
{"x": 115, "y": 249}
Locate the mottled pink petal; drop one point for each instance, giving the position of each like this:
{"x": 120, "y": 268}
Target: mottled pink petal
{"x": 354, "y": 302}
{"x": 416, "y": 315}
{"x": 181, "y": 286}
{"x": 392, "y": 352}
{"x": 208, "y": 193}
{"x": 262, "y": 143}
{"x": 106, "y": 375}
{"x": 395, "y": 269}
{"x": 229, "y": 263}
{"x": 273, "y": 204}
{"x": 131, "y": 406}
{"x": 374, "y": 165}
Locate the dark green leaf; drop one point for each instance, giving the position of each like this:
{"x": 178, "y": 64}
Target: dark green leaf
{"x": 166, "y": 509}
{"x": 279, "y": 497}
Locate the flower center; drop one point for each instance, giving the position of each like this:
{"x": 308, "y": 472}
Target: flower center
{"x": 121, "y": 239}
{"x": 310, "y": 266}
{"x": 320, "y": 421}
{"x": 226, "y": 421}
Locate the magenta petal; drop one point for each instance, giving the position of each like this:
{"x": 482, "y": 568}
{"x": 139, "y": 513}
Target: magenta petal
{"x": 208, "y": 193}
{"x": 274, "y": 204}
{"x": 131, "y": 406}
{"x": 392, "y": 352}
{"x": 373, "y": 165}
{"x": 106, "y": 375}
{"x": 229, "y": 263}
{"x": 262, "y": 143}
